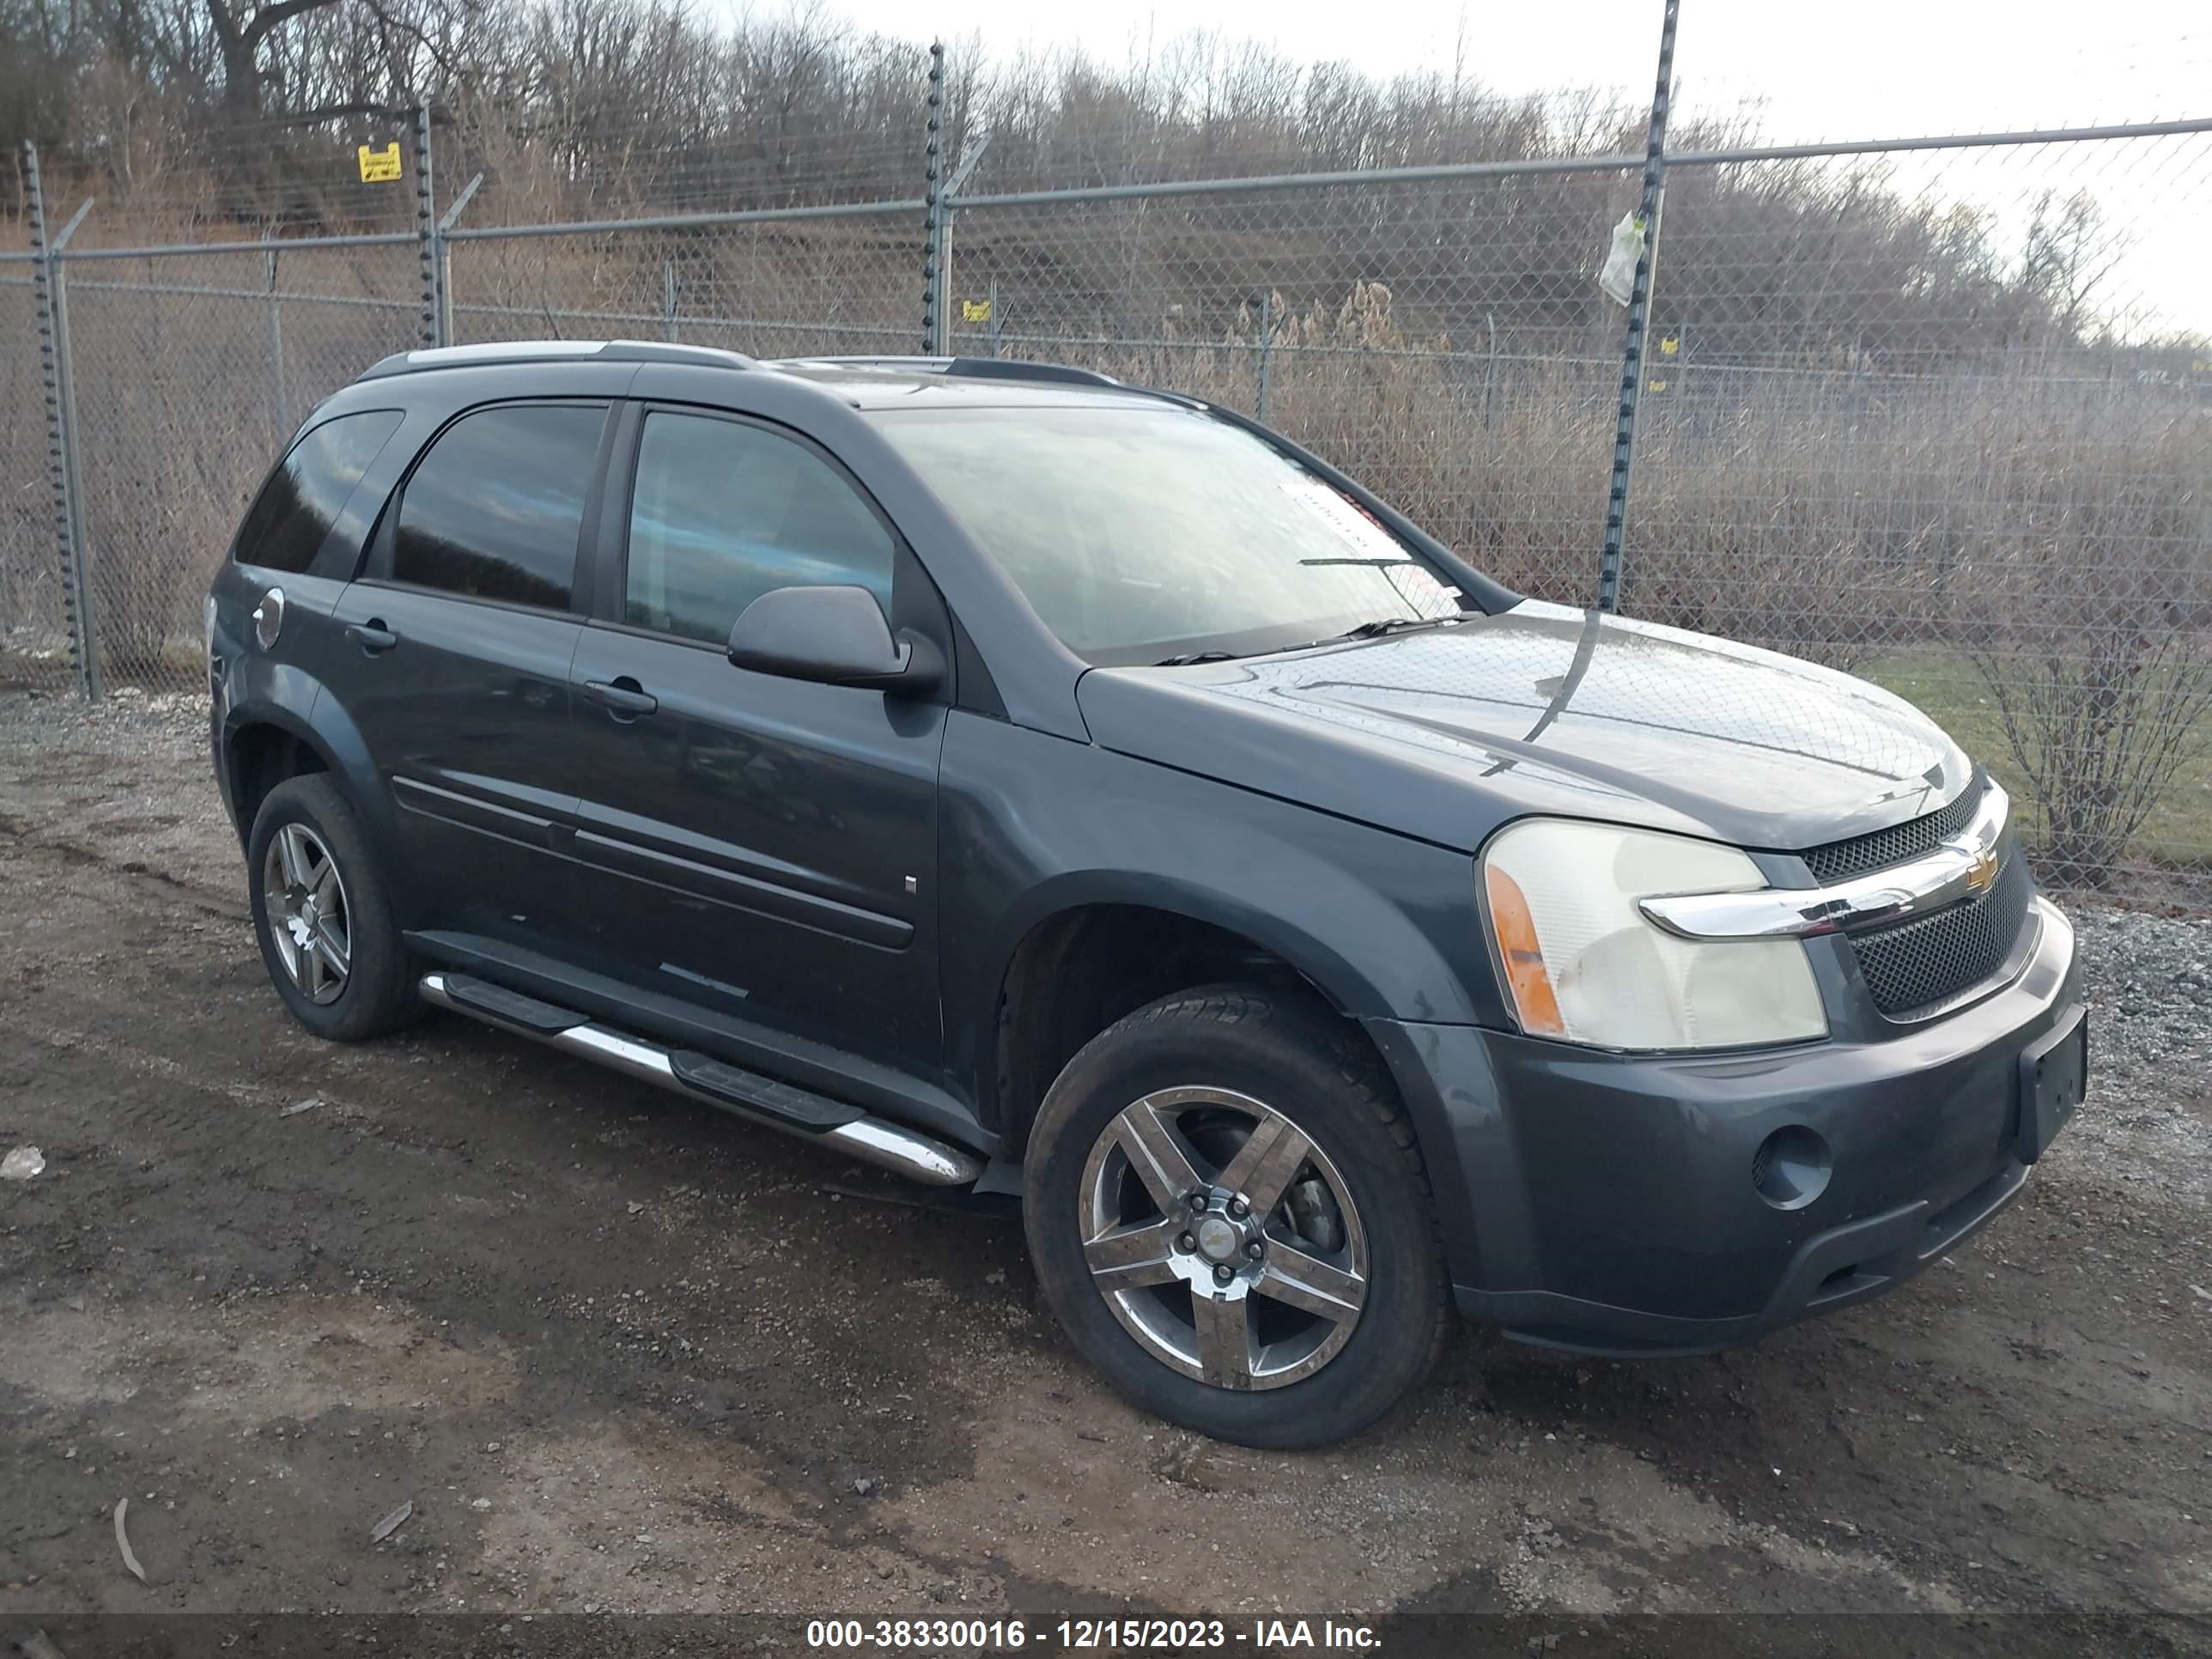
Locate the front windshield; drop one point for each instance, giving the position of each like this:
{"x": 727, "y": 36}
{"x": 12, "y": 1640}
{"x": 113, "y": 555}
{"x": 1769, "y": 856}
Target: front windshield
{"x": 1139, "y": 534}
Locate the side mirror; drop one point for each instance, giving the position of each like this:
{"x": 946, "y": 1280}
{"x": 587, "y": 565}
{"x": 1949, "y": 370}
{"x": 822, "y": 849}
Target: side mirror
{"x": 834, "y": 635}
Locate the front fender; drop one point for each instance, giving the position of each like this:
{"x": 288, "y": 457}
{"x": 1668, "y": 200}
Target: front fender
{"x": 1035, "y": 826}
{"x": 1356, "y": 945}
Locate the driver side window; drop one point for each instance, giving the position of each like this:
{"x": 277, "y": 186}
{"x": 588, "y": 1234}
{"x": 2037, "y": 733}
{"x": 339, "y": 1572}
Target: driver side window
{"x": 724, "y": 512}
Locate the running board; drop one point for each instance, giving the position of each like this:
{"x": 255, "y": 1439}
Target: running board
{"x": 755, "y": 1098}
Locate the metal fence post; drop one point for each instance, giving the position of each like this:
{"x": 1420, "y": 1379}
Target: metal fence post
{"x": 948, "y": 204}
{"x": 275, "y": 342}
{"x": 933, "y": 213}
{"x": 1490, "y": 372}
{"x": 61, "y": 427}
{"x": 668, "y": 300}
{"x": 445, "y": 258}
{"x": 434, "y": 323}
{"x": 1640, "y": 308}
{"x": 1267, "y": 351}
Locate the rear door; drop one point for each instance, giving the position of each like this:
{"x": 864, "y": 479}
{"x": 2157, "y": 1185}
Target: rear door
{"x": 454, "y": 664}
{"x": 764, "y": 847}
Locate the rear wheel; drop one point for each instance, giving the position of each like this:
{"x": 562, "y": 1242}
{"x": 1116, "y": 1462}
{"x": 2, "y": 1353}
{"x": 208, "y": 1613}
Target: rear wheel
{"x": 321, "y": 916}
{"x": 1230, "y": 1217}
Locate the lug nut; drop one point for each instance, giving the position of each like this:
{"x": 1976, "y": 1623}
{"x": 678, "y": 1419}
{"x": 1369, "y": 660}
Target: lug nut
{"x": 1255, "y": 1249}
{"x": 1223, "y": 1274}
{"x": 1197, "y": 1202}
{"x": 1239, "y": 1208}
{"x": 1186, "y": 1244}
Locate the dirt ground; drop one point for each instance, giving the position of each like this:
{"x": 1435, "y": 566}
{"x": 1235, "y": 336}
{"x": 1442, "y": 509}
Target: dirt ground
{"x": 622, "y": 1352}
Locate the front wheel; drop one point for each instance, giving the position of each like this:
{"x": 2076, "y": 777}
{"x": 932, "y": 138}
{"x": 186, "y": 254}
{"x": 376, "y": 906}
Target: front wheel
{"x": 1229, "y": 1216}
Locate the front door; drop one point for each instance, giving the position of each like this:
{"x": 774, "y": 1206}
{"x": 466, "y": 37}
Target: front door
{"x": 453, "y": 662}
{"x": 764, "y": 847}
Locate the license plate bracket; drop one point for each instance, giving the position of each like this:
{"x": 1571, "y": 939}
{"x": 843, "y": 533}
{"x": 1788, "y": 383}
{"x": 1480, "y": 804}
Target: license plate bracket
{"x": 2054, "y": 1075}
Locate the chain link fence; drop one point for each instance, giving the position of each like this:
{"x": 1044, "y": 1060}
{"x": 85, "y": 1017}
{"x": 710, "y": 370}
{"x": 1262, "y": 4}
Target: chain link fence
{"x": 1909, "y": 409}
{"x": 1978, "y": 479}
{"x": 34, "y": 631}
{"x": 834, "y": 283}
{"x": 1441, "y": 340}
{"x": 191, "y": 373}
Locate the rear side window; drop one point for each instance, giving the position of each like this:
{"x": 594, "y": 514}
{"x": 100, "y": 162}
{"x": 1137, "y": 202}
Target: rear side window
{"x": 285, "y": 527}
{"x": 495, "y": 510}
{"x": 723, "y": 511}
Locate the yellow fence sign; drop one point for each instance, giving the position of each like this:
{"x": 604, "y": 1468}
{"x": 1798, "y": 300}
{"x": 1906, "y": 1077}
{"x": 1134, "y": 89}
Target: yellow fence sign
{"x": 380, "y": 167}
{"x": 974, "y": 311}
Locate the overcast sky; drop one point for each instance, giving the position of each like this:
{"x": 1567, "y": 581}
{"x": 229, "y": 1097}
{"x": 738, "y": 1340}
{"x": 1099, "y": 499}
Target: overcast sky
{"x": 1874, "y": 68}
{"x": 1936, "y": 65}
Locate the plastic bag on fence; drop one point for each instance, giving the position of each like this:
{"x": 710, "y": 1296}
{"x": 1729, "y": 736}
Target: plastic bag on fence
{"x": 1617, "y": 280}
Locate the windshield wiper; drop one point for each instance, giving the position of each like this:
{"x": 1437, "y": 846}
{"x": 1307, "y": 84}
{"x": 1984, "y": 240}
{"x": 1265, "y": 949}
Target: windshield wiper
{"x": 1368, "y": 630}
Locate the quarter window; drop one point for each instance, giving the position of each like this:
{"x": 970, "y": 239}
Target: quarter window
{"x": 286, "y": 526}
{"x": 495, "y": 510}
{"x": 724, "y": 512}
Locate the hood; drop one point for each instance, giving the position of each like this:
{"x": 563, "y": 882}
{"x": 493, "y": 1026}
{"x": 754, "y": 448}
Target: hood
{"x": 1446, "y": 734}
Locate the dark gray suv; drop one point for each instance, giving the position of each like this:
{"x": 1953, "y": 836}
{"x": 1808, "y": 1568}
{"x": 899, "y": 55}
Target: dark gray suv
{"x": 1047, "y": 786}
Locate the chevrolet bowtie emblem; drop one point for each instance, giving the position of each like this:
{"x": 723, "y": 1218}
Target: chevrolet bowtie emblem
{"x": 1981, "y": 874}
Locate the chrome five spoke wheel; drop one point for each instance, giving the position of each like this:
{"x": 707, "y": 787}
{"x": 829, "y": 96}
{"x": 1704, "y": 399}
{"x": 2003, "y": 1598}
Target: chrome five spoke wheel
{"x": 1223, "y": 1238}
{"x": 305, "y": 899}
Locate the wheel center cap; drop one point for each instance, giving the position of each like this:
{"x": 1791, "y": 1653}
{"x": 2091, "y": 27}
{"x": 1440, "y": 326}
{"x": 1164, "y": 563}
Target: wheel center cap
{"x": 1218, "y": 1238}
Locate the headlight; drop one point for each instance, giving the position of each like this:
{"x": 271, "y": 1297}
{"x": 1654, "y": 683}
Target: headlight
{"x": 1579, "y": 961}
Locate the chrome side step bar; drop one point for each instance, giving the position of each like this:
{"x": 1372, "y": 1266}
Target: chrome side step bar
{"x": 757, "y": 1099}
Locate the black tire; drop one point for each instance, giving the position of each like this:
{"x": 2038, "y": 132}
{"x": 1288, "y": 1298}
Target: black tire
{"x": 378, "y": 993}
{"x": 1286, "y": 1050}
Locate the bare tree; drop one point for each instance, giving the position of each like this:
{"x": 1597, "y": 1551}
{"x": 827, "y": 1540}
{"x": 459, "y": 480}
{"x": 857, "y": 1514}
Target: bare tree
{"x": 2090, "y": 634}
{"x": 2070, "y": 251}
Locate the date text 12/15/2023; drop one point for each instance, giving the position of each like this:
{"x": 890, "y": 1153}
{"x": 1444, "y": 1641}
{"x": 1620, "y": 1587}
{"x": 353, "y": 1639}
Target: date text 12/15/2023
{"x": 1085, "y": 1635}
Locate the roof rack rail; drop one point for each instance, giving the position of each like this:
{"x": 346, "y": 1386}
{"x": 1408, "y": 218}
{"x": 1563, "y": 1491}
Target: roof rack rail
{"x": 978, "y": 368}
{"x": 545, "y": 351}
{"x": 658, "y": 351}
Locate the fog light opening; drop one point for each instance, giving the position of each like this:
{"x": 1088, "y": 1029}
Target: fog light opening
{"x": 1791, "y": 1168}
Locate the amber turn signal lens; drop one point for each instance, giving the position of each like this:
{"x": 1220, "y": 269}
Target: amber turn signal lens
{"x": 1534, "y": 1000}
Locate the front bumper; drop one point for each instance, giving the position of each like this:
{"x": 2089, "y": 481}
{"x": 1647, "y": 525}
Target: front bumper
{"x": 1605, "y": 1203}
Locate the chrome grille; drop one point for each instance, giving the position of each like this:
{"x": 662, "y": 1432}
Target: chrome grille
{"x": 1918, "y": 964}
{"x": 1839, "y": 859}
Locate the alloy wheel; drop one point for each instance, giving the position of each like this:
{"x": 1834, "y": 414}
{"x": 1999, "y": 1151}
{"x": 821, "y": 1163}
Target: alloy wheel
{"x": 304, "y": 898}
{"x": 1223, "y": 1238}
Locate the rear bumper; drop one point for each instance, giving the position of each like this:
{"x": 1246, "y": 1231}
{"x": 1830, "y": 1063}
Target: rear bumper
{"x": 1605, "y": 1203}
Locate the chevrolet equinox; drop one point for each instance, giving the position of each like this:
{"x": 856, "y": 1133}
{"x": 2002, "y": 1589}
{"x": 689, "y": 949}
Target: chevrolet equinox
{"x": 1049, "y": 787}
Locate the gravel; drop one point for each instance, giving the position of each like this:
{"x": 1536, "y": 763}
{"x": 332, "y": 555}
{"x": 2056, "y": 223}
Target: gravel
{"x": 2151, "y": 977}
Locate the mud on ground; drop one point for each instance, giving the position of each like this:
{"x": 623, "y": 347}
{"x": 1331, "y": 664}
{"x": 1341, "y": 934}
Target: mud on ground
{"x": 622, "y": 1352}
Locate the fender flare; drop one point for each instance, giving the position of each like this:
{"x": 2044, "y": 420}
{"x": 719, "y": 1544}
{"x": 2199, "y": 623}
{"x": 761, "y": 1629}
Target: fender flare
{"x": 1349, "y": 985}
{"x": 293, "y": 701}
